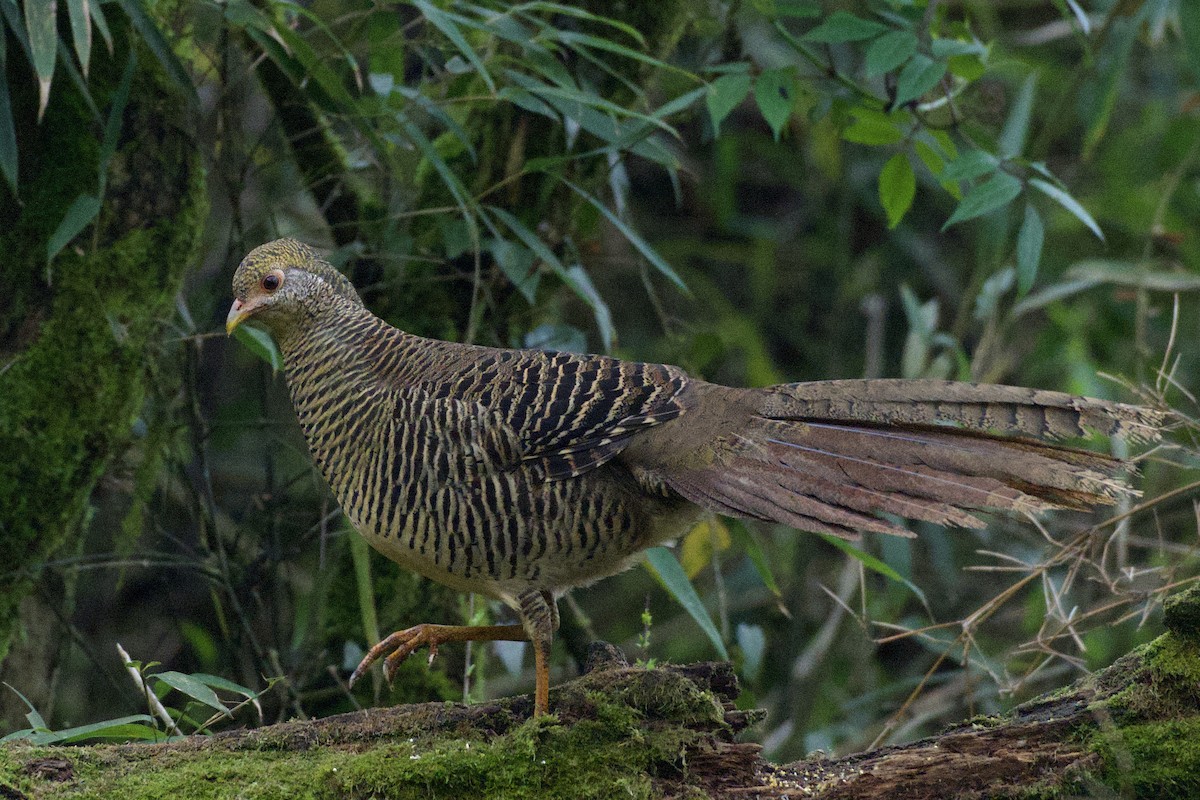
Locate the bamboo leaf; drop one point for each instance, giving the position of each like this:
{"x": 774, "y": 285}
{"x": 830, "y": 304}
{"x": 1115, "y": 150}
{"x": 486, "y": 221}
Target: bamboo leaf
{"x": 260, "y": 343}
{"x": 1029, "y": 249}
{"x": 153, "y": 37}
{"x": 444, "y": 23}
{"x": 1016, "y": 127}
{"x": 116, "y": 117}
{"x": 634, "y": 239}
{"x": 41, "y": 26}
{"x": 79, "y": 215}
{"x": 192, "y": 688}
{"x": 217, "y": 682}
{"x": 361, "y": 556}
{"x": 875, "y": 565}
{"x": 1069, "y": 203}
{"x": 665, "y": 566}
{"x": 81, "y": 31}
{"x": 580, "y": 13}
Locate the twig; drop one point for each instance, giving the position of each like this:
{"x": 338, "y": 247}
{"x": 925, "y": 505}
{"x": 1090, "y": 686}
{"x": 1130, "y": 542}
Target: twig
{"x": 151, "y": 698}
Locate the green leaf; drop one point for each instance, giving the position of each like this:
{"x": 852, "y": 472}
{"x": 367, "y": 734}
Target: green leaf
{"x": 872, "y": 127}
{"x": 724, "y": 95}
{"x": 931, "y": 158}
{"x": 556, "y": 337}
{"x": 360, "y": 555}
{"x": 662, "y": 563}
{"x": 994, "y": 193}
{"x": 153, "y": 38}
{"x": 217, "y": 682}
{"x": 260, "y": 343}
{"x": 1029, "y": 249}
{"x": 774, "y": 91}
{"x": 1016, "y": 127}
{"x": 1069, "y": 203}
{"x": 78, "y": 216}
{"x": 444, "y": 23}
{"x": 112, "y": 731}
{"x": 948, "y": 48}
{"x": 969, "y": 68}
{"x": 573, "y": 11}
{"x": 121, "y": 728}
{"x": 518, "y": 265}
{"x": 842, "y": 26}
{"x": 874, "y": 564}
{"x": 970, "y": 165}
{"x": 634, "y": 239}
{"x": 191, "y": 687}
{"x": 41, "y": 25}
{"x": 581, "y": 283}
{"x": 753, "y": 643}
{"x": 747, "y": 539}
{"x": 919, "y": 75}
{"x": 81, "y": 31}
{"x": 97, "y": 14}
{"x": 434, "y": 110}
{"x": 897, "y": 188}
{"x": 890, "y": 51}
{"x": 116, "y": 116}
{"x": 992, "y": 292}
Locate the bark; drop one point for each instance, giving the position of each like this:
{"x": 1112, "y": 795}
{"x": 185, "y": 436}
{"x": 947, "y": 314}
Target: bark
{"x": 1130, "y": 730}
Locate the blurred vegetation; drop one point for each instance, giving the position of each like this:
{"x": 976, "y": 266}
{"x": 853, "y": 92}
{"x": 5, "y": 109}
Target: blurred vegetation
{"x": 758, "y": 191}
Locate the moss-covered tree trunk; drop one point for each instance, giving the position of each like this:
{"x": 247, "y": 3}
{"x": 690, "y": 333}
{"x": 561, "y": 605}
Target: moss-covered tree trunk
{"x": 78, "y": 333}
{"x": 1128, "y": 731}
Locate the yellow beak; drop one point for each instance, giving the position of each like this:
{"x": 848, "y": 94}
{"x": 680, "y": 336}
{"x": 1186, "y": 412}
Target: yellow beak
{"x": 237, "y": 314}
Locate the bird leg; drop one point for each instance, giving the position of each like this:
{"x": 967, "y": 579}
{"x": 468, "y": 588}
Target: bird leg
{"x": 539, "y": 614}
{"x": 401, "y": 644}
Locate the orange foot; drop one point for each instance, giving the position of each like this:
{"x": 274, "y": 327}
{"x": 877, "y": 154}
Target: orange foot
{"x": 401, "y": 644}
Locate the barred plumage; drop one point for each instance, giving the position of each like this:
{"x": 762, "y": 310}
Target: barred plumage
{"x": 521, "y": 474}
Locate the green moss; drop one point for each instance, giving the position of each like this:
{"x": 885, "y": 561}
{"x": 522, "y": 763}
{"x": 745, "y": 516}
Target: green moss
{"x": 1181, "y": 613}
{"x": 1159, "y": 760}
{"x": 619, "y": 749}
{"x": 72, "y": 390}
{"x": 1158, "y": 680}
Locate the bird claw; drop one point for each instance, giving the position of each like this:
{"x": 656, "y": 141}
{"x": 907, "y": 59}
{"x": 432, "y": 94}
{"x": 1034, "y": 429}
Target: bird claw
{"x": 396, "y": 647}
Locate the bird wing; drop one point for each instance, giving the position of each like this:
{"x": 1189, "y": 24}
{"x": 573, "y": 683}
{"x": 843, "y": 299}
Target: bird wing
{"x": 567, "y": 413}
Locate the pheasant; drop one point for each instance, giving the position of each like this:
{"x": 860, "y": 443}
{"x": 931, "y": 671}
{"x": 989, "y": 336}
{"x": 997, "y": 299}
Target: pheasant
{"x": 521, "y": 474}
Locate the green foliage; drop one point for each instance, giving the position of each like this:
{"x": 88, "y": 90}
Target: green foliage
{"x": 198, "y": 688}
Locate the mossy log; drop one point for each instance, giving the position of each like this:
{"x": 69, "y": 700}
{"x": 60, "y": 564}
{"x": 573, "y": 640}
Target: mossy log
{"x": 1131, "y": 730}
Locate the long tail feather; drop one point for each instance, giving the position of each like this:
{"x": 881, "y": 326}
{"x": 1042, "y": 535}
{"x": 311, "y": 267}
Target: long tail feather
{"x": 830, "y": 456}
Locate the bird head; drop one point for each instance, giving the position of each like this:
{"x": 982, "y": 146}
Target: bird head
{"x": 282, "y": 282}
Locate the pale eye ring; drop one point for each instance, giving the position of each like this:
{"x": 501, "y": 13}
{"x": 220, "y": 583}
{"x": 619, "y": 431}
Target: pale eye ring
{"x": 272, "y": 280}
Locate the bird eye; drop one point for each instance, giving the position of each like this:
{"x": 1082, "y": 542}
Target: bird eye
{"x": 272, "y": 280}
